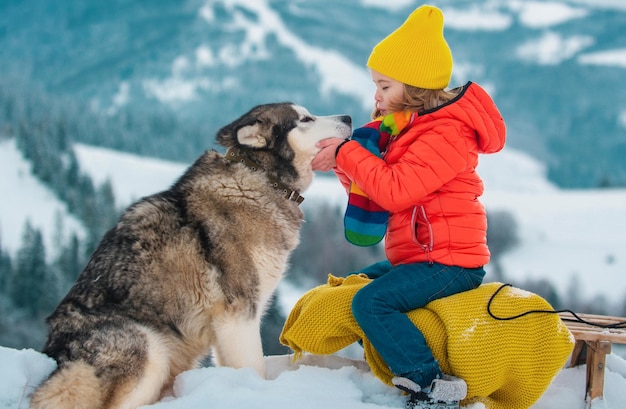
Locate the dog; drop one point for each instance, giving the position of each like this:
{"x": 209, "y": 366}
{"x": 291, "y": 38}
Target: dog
{"x": 189, "y": 271}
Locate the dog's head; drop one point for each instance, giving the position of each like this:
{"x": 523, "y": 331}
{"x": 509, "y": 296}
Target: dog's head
{"x": 281, "y": 137}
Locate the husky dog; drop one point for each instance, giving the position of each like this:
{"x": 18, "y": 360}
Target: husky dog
{"x": 187, "y": 271}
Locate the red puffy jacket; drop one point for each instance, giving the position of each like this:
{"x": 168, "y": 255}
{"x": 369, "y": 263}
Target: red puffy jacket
{"x": 428, "y": 181}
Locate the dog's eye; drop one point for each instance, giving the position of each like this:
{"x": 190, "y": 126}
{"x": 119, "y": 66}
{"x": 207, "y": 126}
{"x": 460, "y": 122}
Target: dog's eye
{"x": 307, "y": 119}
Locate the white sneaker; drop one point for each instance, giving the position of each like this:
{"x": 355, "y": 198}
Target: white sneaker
{"x": 448, "y": 388}
{"x": 443, "y": 393}
{"x": 406, "y": 384}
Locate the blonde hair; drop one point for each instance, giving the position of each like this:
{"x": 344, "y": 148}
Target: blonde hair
{"x": 419, "y": 100}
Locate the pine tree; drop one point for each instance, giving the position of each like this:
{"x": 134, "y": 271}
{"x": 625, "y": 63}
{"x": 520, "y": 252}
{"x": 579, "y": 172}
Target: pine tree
{"x": 6, "y": 270}
{"x": 502, "y": 236}
{"x": 70, "y": 262}
{"x": 30, "y": 289}
{"x": 106, "y": 205}
{"x": 325, "y": 250}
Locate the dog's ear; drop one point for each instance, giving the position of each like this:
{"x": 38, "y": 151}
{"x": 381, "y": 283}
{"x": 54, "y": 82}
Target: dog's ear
{"x": 252, "y": 135}
{"x": 246, "y": 131}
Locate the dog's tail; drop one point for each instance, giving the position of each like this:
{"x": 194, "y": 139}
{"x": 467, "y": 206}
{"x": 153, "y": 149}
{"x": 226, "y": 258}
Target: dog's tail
{"x": 77, "y": 385}
{"x": 73, "y": 386}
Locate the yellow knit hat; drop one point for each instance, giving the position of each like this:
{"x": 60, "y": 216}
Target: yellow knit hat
{"x": 416, "y": 53}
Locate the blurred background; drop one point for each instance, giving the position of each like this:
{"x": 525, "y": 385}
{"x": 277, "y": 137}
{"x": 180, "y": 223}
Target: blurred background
{"x": 149, "y": 82}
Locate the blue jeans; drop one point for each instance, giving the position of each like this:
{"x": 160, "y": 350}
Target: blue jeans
{"x": 379, "y": 308}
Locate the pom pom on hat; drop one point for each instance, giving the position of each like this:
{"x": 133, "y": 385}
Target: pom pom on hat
{"x": 416, "y": 53}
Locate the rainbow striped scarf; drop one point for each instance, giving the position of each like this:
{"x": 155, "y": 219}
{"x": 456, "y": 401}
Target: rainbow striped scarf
{"x": 365, "y": 222}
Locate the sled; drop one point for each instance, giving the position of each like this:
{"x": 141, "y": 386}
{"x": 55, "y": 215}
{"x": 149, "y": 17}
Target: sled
{"x": 593, "y": 343}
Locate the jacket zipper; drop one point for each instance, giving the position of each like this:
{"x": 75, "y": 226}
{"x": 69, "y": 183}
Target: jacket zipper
{"x": 427, "y": 248}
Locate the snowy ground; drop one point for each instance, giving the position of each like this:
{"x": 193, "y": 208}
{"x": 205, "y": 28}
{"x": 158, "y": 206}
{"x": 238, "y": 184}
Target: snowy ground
{"x": 324, "y": 382}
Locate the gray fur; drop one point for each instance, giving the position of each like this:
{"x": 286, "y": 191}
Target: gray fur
{"x": 187, "y": 270}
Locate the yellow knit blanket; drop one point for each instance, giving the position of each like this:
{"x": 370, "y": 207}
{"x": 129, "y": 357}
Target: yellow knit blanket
{"x": 506, "y": 364}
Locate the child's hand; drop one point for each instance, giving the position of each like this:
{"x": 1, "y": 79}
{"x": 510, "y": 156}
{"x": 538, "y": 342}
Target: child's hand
{"x": 325, "y": 159}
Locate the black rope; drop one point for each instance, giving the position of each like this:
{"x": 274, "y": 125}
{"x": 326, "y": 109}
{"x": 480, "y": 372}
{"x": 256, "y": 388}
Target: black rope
{"x": 616, "y": 325}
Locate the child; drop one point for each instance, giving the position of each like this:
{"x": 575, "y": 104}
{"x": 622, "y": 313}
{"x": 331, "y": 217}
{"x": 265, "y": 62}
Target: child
{"x": 412, "y": 174}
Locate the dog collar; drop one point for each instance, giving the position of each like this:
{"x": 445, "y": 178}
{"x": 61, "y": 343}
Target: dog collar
{"x": 236, "y": 155}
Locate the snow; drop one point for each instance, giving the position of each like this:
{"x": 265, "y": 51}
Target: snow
{"x": 601, "y": 4}
{"x": 315, "y": 382}
{"x": 615, "y": 58}
{"x": 26, "y": 199}
{"x": 549, "y": 48}
{"x": 338, "y": 74}
{"x": 553, "y": 48}
{"x": 542, "y": 14}
{"x": 388, "y": 4}
{"x": 572, "y": 220}
{"x": 476, "y": 18}
{"x": 132, "y": 176}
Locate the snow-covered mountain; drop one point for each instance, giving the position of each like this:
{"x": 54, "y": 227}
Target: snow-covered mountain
{"x": 26, "y": 199}
{"x": 555, "y": 67}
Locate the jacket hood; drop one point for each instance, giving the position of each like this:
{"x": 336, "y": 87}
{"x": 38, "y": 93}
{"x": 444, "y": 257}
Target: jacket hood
{"x": 475, "y": 108}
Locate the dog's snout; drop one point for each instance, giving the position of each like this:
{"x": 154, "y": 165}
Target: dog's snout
{"x": 346, "y": 119}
